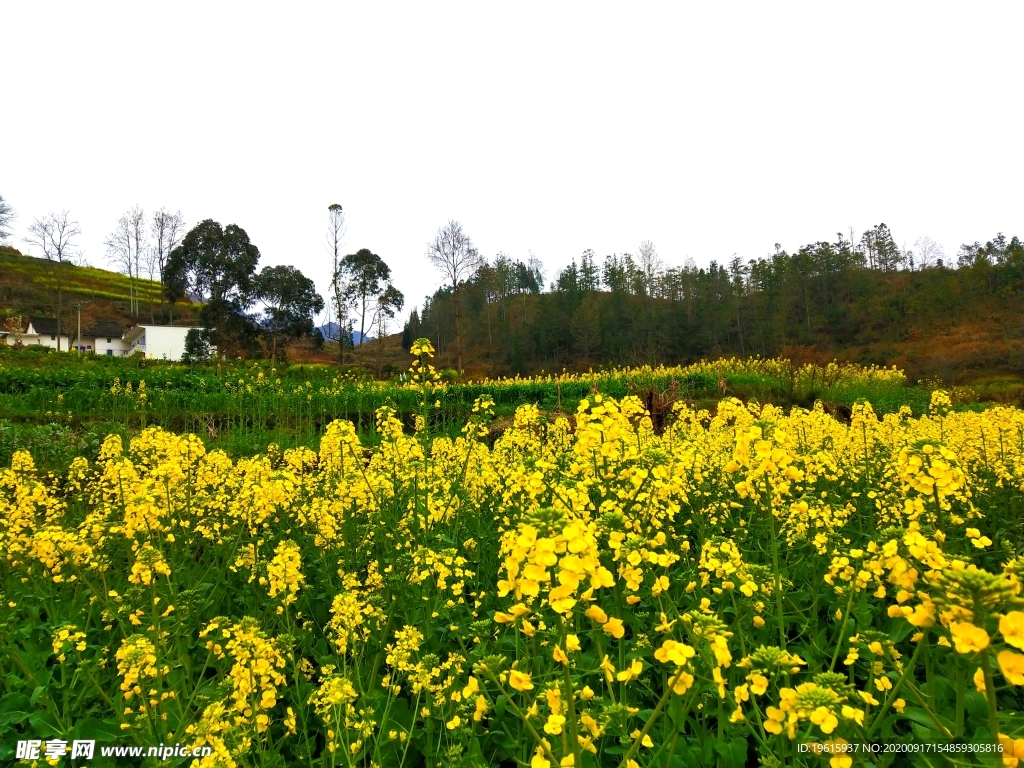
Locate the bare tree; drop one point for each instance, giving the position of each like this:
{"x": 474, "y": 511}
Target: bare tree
{"x": 55, "y": 235}
{"x": 150, "y": 261}
{"x": 140, "y": 245}
{"x": 453, "y": 254}
{"x": 119, "y": 252}
{"x": 650, "y": 264}
{"x": 928, "y": 252}
{"x": 124, "y": 248}
{"x": 536, "y": 268}
{"x": 907, "y": 256}
{"x": 335, "y": 239}
{"x": 7, "y": 216}
{"x": 15, "y": 327}
{"x": 167, "y": 230}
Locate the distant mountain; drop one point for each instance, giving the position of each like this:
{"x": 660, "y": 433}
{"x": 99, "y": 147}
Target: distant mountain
{"x": 332, "y": 331}
{"x": 329, "y": 331}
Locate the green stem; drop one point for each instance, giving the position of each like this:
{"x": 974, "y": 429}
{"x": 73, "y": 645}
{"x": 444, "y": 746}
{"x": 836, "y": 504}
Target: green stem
{"x": 990, "y": 695}
{"x": 931, "y": 715}
{"x": 842, "y": 627}
{"x": 961, "y": 691}
{"x": 570, "y": 698}
{"x": 775, "y": 569}
{"x": 542, "y": 743}
{"x": 907, "y": 670}
{"x": 651, "y": 720}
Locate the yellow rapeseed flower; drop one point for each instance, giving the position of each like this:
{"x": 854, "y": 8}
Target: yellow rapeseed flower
{"x": 520, "y": 680}
{"x": 967, "y": 638}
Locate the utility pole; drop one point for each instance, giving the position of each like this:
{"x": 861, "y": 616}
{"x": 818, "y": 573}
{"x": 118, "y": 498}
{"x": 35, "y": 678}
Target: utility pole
{"x": 78, "y": 337}
{"x": 78, "y": 306}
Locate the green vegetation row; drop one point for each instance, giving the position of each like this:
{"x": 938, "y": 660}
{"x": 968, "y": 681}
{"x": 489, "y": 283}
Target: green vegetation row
{"x": 58, "y": 406}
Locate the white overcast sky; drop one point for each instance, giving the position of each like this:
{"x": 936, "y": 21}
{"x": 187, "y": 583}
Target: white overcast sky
{"x": 709, "y": 128}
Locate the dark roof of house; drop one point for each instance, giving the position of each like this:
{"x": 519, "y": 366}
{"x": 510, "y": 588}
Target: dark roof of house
{"x": 45, "y": 325}
{"x": 103, "y": 328}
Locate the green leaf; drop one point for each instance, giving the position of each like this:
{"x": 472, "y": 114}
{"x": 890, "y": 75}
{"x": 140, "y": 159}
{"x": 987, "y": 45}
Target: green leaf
{"x": 924, "y": 760}
{"x": 707, "y": 756}
{"x": 684, "y": 757}
{"x": 95, "y": 728}
{"x": 976, "y": 705}
{"x": 981, "y": 736}
{"x": 43, "y": 725}
{"x": 901, "y": 629}
{"x": 919, "y": 716}
{"x": 12, "y": 717}
{"x": 676, "y": 714}
{"x": 733, "y": 752}
{"x": 499, "y": 705}
{"x": 502, "y": 739}
{"x": 13, "y": 681}
{"x": 14, "y": 700}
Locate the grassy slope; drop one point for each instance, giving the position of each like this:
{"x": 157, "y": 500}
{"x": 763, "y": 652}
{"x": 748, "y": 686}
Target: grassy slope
{"x": 28, "y": 287}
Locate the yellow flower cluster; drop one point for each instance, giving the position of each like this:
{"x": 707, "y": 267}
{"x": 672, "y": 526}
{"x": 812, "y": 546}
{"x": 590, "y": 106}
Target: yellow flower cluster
{"x": 66, "y": 638}
{"x": 148, "y": 564}
{"x": 558, "y": 590}
{"x": 285, "y": 572}
{"x": 230, "y": 725}
{"x": 570, "y": 552}
{"x": 350, "y": 617}
{"x": 136, "y": 663}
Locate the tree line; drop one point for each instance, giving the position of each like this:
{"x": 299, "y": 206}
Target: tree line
{"x": 363, "y": 298}
{"x": 620, "y": 309}
{"x": 216, "y": 266}
{"x": 635, "y": 309}
{"x": 242, "y": 311}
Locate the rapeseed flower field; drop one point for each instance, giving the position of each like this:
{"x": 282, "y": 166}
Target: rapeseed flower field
{"x": 742, "y": 587}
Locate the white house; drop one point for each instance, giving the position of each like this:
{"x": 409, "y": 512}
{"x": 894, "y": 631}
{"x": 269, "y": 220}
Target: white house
{"x": 161, "y": 342}
{"x": 40, "y": 331}
{"x": 104, "y": 338}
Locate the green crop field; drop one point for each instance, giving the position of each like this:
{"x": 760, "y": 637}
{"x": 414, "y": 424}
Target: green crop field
{"x": 242, "y": 407}
{"x": 728, "y": 564}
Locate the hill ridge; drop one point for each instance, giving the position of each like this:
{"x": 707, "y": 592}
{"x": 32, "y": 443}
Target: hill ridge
{"x": 28, "y": 287}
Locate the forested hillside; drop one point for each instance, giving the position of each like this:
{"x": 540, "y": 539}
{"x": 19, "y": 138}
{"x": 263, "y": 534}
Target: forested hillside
{"x": 866, "y": 301}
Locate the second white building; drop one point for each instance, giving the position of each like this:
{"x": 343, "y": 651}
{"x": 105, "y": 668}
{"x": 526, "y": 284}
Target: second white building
{"x": 159, "y": 342}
